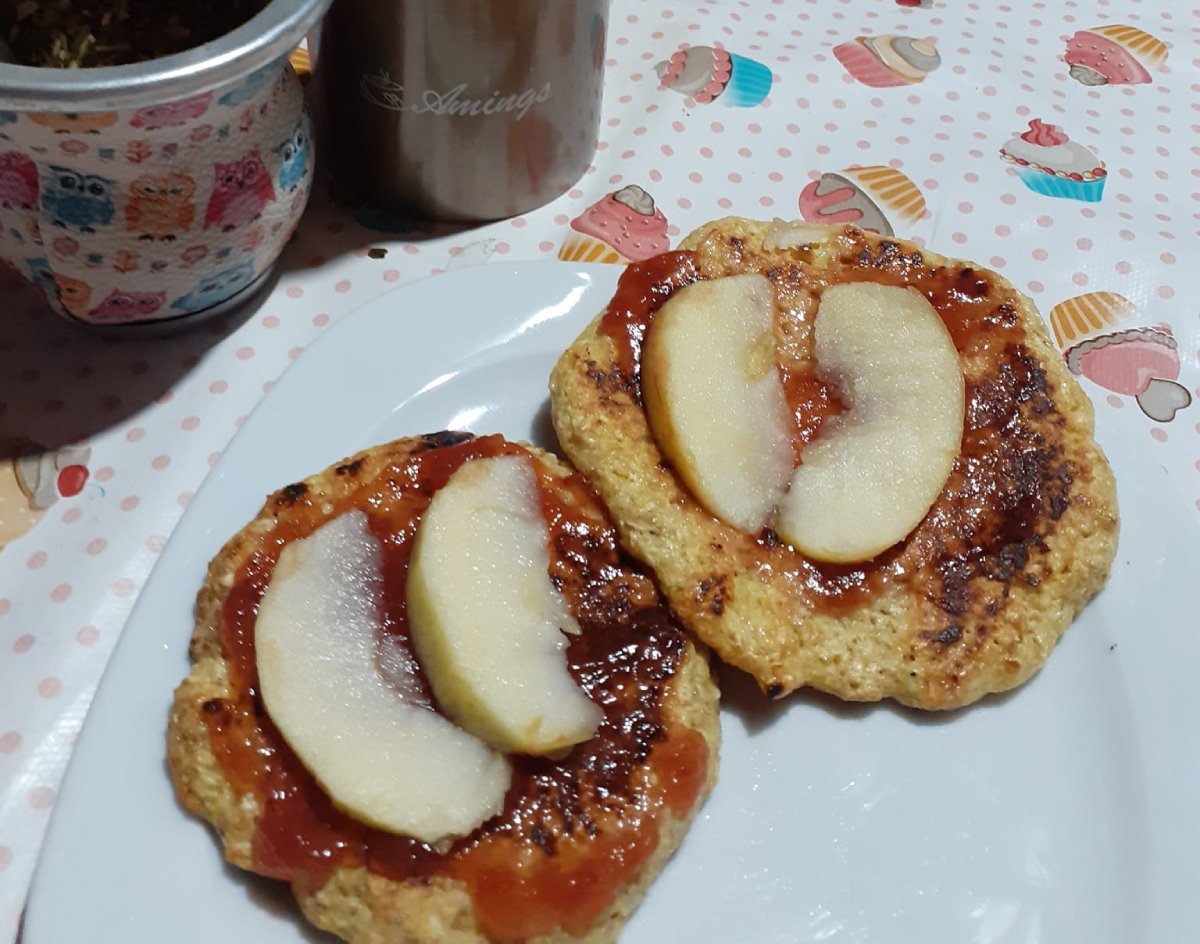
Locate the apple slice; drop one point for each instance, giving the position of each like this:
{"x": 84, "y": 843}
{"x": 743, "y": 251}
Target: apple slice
{"x": 487, "y": 623}
{"x": 714, "y": 399}
{"x": 382, "y": 757}
{"x": 867, "y": 481}
{"x": 792, "y": 234}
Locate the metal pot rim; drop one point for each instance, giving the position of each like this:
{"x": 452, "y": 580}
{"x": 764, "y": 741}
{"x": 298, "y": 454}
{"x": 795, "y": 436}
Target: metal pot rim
{"x": 268, "y": 36}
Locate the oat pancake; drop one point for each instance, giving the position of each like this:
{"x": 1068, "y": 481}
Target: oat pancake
{"x": 973, "y": 600}
{"x": 579, "y": 840}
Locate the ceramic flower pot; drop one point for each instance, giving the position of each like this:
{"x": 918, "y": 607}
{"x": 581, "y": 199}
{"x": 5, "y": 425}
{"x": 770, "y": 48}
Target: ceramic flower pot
{"x": 160, "y": 191}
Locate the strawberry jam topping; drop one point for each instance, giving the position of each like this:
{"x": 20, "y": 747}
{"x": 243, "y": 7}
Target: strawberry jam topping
{"x": 573, "y": 832}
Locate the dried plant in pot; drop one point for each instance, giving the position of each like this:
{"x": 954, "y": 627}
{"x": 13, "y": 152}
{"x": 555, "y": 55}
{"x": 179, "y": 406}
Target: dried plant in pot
{"x": 155, "y": 155}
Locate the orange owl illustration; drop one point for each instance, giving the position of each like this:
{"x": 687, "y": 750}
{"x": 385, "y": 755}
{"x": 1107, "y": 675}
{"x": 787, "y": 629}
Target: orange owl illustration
{"x": 160, "y": 205}
{"x": 70, "y": 122}
{"x": 73, "y": 294}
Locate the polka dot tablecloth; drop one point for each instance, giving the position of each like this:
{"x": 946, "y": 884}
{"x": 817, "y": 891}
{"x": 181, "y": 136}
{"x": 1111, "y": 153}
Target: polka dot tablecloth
{"x": 1056, "y": 142}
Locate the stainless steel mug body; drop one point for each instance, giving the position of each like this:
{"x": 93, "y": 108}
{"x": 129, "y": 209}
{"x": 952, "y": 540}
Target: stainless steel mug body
{"x": 460, "y": 109}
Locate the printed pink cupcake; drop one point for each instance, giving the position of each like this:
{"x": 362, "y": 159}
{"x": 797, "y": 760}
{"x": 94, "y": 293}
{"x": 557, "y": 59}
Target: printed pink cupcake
{"x": 1114, "y": 55}
{"x": 623, "y": 227}
{"x": 708, "y": 73}
{"x": 31, "y": 480}
{"x": 1088, "y": 315}
{"x": 888, "y": 61}
{"x": 860, "y": 195}
{"x": 1050, "y": 163}
{"x": 1141, "y": 362}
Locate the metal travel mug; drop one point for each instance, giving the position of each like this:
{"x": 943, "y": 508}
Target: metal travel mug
{"x": 460, "y": 109}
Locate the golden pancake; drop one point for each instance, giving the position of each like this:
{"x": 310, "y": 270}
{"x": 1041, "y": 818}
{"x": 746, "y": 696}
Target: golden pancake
{"x": 579, "y": 840}
{"x": 975, "y": 598}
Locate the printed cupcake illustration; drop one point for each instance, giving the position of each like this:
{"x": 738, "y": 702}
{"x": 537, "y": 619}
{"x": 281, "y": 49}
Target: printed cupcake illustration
{"x": 623, "y": 227}
{"x": 32, "y": 479}
{"x": 1140, "y": 362}
{"x": 711, "y": 73}
{"x": 863, "y": 196}
{"x": 888, "y": 61}
{"x": 1114, "y": 55}
{"x": 1050, "y": 163}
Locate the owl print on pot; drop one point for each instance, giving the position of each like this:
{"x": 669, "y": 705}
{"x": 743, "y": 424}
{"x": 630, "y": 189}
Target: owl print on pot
{"x": 214, "y": 289}
{"x": 293, "y": 158}
{"x": 161, "y": 206}
{"x": 42, "y": 276}
{"x": 119, "y": 307}
{"x": 69, "y": 122}
{"x": 77, "y": 201}
{"x": 251, "y": 85}
{"x": 158, "y": 211}
{"x": 171, "y": 114}
{"x": 18, "y": 181}
{"x": 241, "y": 190}
{"x": 73, "y": 294}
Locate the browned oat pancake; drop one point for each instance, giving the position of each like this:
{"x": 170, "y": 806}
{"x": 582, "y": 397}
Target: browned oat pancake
{"x": 579, "y": 840}
{"x": 972, "y": 601}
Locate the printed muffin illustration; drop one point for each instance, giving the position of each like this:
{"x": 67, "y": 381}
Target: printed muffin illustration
{"x": 442, "y": 703}
{"x": 1114, "y": 55}
{"x": 1050, "y": 163}
{"x": 32, "y": 479}
{"x": 1139, "y": 362}
{"x": 625, "y": 226}
{"x": 817, "y": 436}
{"x": 863, "y": 196}
{"x": 889, "y": 61}
{"x": 711, "y": 73}
{"x": 301, "y": 61}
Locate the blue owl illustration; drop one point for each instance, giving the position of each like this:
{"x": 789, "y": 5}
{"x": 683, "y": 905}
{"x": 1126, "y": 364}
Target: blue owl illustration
{"x": 42, "y": 277}
{"x": 75, "y": 200}
{"x": 293, "y": 155}
{"x": 250, "y": 85}
{"x": 213, "y": 289}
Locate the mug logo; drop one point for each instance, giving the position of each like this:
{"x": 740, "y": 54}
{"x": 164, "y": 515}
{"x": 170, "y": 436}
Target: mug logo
{"x": 381, "y": 90}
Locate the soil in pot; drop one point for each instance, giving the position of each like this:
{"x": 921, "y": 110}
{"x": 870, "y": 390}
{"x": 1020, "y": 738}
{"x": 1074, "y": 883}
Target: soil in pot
{"x": 72, "y": 34}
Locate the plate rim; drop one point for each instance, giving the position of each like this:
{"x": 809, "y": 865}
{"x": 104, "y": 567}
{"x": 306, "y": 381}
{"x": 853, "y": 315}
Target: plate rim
{"x": 178, "y": 551}
{"x": 182, "y": 558}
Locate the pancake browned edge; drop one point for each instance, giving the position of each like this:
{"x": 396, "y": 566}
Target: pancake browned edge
{"x": 948, "y": 622}
{"x": 364, "y": 907}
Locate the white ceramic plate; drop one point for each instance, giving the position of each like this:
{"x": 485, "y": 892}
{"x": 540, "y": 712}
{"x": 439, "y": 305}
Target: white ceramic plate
{"x": 1064, "y": 812}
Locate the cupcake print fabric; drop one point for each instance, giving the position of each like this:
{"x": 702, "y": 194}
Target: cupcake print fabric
{"x": 1052, "y": 143}
{"x": 889, "y": 61}
{"x": 1050, "y": 163}
{"x": 1114, "y": 55}
{"x": 624, "y": 226}
{"x": 711, "y": 73}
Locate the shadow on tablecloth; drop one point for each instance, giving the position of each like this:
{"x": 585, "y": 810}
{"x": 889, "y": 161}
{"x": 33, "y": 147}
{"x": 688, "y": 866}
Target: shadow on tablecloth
{"x": 61, "y": 384}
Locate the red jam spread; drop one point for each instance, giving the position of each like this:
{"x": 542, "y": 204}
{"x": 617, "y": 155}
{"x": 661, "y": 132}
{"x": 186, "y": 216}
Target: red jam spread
{"x": 1011, "y": 480}
{"x": 645, "y": 287}
{"x": 641, "y": 291}
{"x": 811, "y": 401}
{"x": 573, "y": 832}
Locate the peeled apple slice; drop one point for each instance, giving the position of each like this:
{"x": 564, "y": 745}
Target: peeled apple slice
{"x": 382, "y": 757}
{"x": 874, "y": 473}
{"x": 488, "y": 625}
{"x": 714, "y": 399}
